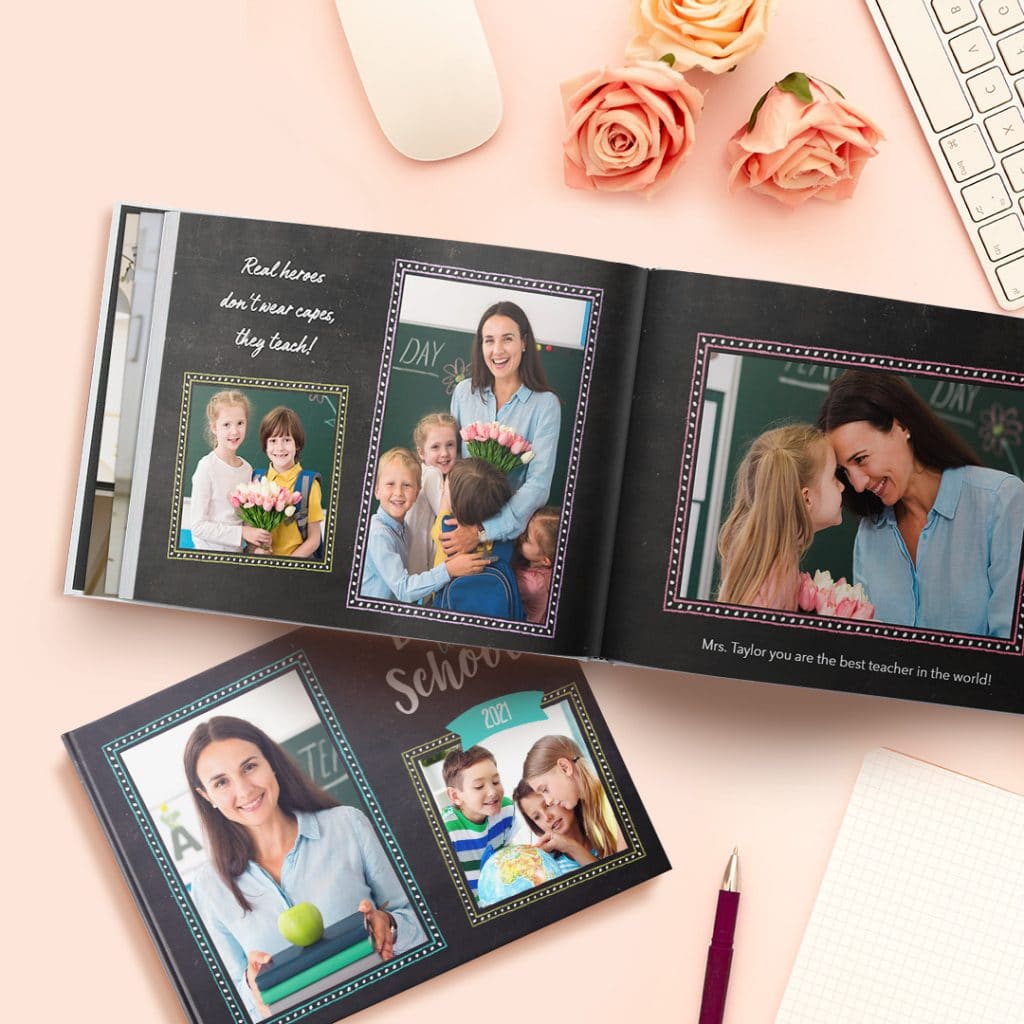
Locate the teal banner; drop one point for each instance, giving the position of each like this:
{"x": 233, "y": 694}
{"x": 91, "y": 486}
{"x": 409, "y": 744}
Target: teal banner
{"x": 476, "y": 724}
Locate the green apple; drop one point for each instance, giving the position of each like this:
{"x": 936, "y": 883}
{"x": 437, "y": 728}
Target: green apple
{"x": 301, "y": 925}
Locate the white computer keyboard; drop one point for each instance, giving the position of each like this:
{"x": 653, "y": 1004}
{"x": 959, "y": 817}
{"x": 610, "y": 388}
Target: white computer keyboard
{"x": 962, "y": 65}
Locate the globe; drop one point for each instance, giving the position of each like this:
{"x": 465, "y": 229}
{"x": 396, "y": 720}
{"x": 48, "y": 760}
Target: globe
{"x": 512, "y": 870}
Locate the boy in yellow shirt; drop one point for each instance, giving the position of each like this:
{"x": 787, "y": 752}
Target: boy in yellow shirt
{"x": 282, "y": 437}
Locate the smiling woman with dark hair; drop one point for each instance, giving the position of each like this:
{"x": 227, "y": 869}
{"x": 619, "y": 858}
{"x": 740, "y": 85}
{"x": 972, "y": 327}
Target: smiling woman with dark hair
{"x": 276, "y": 840}
{"x": 507, "y": 383}
{"x": 939, "y": 540}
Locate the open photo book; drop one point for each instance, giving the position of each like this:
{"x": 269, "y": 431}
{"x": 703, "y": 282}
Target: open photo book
{"x": 539, "y": 452}
{"x": 330, "y": 819}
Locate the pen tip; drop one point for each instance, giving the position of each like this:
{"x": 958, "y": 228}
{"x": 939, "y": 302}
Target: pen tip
{"x": 731, "y": 880}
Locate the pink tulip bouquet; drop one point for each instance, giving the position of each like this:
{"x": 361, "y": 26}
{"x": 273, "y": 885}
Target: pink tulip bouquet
{"x": 263, "y": 503}
{"x": 820, "y": 593}
{"x": 500, "y": 445}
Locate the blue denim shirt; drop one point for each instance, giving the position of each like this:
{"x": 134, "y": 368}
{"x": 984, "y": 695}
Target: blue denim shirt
{"x": 387, "y": 554}
{"x": 967, "y": 575}
{"x": 337, "y": 860}
{"x": 537, "y": 415}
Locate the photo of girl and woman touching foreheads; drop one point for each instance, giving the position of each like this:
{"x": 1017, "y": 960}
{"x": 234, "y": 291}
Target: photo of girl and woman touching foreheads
{"x": 938, "y": 541}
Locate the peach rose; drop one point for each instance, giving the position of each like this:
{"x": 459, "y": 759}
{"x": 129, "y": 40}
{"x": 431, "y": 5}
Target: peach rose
{"x": 803, "y": 140}
{"x": 628, "y": 128}
{"x": 714, "y": 35}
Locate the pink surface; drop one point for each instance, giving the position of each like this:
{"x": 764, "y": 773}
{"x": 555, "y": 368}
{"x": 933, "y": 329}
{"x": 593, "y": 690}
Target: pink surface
{"x": 254, "y": 109}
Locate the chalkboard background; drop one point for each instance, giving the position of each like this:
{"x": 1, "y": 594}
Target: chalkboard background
{"x": 776, "y": 391}
{"x": 316, "y": 411}
{"x": 430, "y": 361}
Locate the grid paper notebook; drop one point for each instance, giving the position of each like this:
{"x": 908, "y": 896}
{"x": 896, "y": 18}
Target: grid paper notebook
{"x": 920, "y": 917}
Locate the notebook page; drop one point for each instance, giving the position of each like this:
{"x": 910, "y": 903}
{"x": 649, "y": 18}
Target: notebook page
{"x": 920, "y": 917}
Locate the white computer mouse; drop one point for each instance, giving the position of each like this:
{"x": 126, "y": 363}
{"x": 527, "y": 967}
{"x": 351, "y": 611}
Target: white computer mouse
{"x": 427, "y": 71}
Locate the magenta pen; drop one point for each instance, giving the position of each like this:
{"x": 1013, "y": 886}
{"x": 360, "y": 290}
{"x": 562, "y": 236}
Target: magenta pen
{"x": 716, "y": 975}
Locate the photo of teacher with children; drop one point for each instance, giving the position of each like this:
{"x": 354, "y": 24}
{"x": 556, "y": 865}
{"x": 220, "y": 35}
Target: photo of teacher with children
{"x": 936, "y": 534}
{"x": 468, "y": 509}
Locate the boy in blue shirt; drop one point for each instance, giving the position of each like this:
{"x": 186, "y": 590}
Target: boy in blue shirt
{"x": 385, "y": 574}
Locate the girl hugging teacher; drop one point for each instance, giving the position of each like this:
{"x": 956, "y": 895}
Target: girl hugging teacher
{"x": 507, "y": 384}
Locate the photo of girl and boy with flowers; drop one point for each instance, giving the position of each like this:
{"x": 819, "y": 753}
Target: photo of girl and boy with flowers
{"x": 259, "y": 470}
{"x": 467, "y": 483}
{"x": 839, "y": 489}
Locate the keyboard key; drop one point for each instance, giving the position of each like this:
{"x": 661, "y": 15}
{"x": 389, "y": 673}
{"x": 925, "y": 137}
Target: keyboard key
{"x": 1005, "y": 129}
{"x": 1002, "y": 14}
{"x": 1014, "y": 168}
{"x": 1012, "y": 51}
{"x": 1011, "y": 277}
{"x": 926, "y": 61}
{"x": 970, "y": 49}
{"x": 989, "y": 90}
{"x": 1003, "y": 237}
{"x": 986, "y": 197}
{"x": 953, "y": 14}
{"x": 967, "y": 153}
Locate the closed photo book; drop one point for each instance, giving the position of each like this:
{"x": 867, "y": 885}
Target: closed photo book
{"x": 330, "y": 819}
{"x": 537, "y": 452}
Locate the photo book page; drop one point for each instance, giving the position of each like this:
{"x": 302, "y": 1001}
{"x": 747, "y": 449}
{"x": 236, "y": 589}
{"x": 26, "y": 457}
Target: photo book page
{"x": 278, "y": 411}
{"x": 834, "y": 497}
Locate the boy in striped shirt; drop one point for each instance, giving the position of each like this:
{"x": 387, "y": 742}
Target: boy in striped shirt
{"x": 480, "y": 818}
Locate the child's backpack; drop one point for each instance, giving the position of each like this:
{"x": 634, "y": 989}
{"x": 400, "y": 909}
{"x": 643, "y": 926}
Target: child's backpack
{"x": 303, "y": 484}
{"x": 493, "y": 592}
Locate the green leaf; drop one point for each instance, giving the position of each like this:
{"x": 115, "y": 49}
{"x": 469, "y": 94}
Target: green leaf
{"x": 798, "y": 84}
{"x": 757, "y": 110}
{"x": 795, "y": 82}
{"x": 668, "y": 58}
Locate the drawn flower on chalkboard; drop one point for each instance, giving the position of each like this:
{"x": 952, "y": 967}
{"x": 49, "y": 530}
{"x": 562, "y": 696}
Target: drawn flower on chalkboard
{"x": 454, "y": 373}
{"x": 999, "y": 428}
{"x": 321, "y": 398}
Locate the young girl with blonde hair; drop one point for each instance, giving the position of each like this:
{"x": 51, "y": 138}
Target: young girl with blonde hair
{"x": 556, "y": 769}
{"x": 214, "y": 522}
{"x": 786, "y": 489}
{"x": 436, "y": 439}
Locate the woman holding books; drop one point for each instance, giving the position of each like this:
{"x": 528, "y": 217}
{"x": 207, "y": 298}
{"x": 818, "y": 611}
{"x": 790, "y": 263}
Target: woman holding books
{"x": 507, "y": 384}
{"x": 276, "y": 840}
{"x": 939, "y": 539}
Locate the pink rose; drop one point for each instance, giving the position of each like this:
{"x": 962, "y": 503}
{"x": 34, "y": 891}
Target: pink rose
{"x": 803, "y": 140}
{"x": 628, "y": 128}
{"x": 714, "y": 35}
